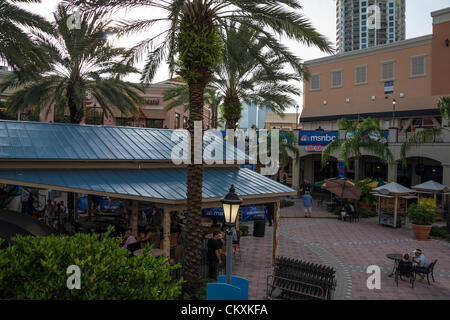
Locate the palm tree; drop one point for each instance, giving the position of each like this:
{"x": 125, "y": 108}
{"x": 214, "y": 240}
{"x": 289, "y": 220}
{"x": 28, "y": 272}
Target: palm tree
{"x": 361, "y": 137}
{"x": 241, "y": 77}
{"x": 428, "y": 135}
{"x": 192, "y": 46}
{"x": 78, "y": 61}
{"x": 16, "y": 47}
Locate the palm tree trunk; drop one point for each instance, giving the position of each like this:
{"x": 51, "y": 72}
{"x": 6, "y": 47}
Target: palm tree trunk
{"x": 357, "y": 158}
{"x": 192, "y": 265}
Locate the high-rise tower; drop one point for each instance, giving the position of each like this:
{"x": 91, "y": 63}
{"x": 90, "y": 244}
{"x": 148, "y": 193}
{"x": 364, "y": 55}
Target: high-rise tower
{"x": 364, "y": 24}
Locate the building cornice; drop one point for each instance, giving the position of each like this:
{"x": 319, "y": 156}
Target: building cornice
{"x": 405, "y": 44}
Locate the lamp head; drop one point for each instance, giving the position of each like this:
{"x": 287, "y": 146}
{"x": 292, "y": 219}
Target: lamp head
{"x": 231, "y": 203}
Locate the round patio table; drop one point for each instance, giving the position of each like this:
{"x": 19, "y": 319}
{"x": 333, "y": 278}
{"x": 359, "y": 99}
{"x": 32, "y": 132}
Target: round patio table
{"x": 396, "y": 257}
{"x": 154, "y": 252}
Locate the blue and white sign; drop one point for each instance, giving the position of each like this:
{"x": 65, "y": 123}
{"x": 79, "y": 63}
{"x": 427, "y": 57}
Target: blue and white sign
{"x": 317, "y": 138}
{"x": 389, "y": 87}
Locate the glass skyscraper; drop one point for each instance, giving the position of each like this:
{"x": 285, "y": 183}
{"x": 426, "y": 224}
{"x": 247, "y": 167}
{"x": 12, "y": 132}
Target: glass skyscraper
{"x": 362, "y": 24}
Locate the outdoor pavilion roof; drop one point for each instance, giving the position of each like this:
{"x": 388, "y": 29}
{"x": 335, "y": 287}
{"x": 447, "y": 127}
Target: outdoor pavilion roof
{"x": 23, "y": 140}
{"x": 162, "y": 185}
{"x": 431, "y": 186}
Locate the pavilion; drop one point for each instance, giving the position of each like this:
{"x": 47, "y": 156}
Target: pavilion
{"x": 126, "y": 163}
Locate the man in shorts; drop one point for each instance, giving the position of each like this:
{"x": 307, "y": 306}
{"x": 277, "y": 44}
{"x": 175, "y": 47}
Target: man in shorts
{"x": 307, "y": 204}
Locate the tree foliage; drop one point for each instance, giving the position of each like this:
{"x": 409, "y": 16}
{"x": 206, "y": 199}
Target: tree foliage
{"x": 35, "y": 268}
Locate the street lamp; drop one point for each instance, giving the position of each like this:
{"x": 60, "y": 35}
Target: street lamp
{"x": 394, "y": 102}
{"x": 231, "y": 203}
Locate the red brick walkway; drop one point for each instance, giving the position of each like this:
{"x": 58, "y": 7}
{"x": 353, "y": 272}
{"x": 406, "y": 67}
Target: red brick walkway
{"x": 349, "y": 248}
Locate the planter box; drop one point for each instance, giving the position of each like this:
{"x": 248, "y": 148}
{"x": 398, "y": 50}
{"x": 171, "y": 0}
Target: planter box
{"x": 421, "y": 233}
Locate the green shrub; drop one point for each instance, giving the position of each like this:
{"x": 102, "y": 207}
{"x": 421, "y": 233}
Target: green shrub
{"x": 440, "y": 232}
{"x": 422, "y": 214}
{"x": 366, "y": 194}
{"x": 35, "y": 268}
{"x": 286, "y": 203}
{"x": 367, "y": 214}
{"x": 243, "y": 230}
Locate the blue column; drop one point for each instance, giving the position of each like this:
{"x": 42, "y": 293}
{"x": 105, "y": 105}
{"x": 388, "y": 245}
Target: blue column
{"x": 342, "y": 170}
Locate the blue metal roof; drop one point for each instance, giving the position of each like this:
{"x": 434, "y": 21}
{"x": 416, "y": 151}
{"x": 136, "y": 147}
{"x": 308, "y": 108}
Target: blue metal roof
{"x": 165, "y": 185}
{"x": 59, "y": 141}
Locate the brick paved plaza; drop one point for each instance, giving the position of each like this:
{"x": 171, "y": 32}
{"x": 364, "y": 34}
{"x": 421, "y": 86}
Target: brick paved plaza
{"x": 349, "y": 248}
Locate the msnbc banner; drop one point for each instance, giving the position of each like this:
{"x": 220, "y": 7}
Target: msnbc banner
{"x": 317, "y": 138}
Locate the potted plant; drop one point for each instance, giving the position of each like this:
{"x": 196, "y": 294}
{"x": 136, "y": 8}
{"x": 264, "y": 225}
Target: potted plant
{"x": 422, "y": 217}
{"x": 367, "y": 200}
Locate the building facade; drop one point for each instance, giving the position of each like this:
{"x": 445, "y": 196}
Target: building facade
{"x": 360, "y": 84}
{"x": 362, "y": 24}
{"x": 152, "y": 114}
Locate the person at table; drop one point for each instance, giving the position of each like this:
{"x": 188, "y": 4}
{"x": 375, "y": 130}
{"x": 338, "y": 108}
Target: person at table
{"x": 214, "y": 257}
{"x": 306, "y": 187}
{"x": 152, "y": 236}
{"x": 129, "y": 239}
{"x": 307, "y": 204}
{"x": 343, "y": 212}
{"x": 405, "y": 266}
{"x": 420, "y": 262}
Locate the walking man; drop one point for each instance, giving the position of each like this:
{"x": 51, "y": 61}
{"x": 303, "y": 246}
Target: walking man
{"x": 307, "y": 204}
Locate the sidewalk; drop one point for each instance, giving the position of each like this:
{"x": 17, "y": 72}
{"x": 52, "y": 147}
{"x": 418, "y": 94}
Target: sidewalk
{"x": 349, "y": 248}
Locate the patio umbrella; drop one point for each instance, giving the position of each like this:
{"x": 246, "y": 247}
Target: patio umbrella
{"x": 344, "y": 188}
{"x": 373, "y": 183}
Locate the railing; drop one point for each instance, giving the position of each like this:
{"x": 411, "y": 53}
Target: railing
{"x": 299, "y": 280}
{"x": 444, "y": 137}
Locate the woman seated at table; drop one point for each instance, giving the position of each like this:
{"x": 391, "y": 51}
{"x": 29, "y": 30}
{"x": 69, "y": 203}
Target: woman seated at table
{"x": 343, "y": 213}
{"x": 152, "y": 236}
{"x": 405, "y": 266}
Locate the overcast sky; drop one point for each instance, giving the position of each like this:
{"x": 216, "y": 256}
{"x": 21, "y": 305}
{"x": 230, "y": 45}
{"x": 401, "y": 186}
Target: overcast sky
{"x": 322, "y": 14}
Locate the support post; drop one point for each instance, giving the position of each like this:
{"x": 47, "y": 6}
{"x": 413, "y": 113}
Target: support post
{"x": 75, "y": 206}
{"x": 166, "y": 231}
{"x": 395, "y": 211}
{"x": 276, "y": 229}
{"x": 229, "y": 253}
{"x": 89, "y": 205}
{"x": 134, "y": 218}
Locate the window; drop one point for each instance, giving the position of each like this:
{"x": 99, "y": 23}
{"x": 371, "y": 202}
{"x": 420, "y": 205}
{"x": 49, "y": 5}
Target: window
{"x": 151, "y": 101}
{"x": 315, "y": 82}
{"x": 417, "y": 66}
{"x": 154, "y": 123}
{"x": 387, "y": 71}
{"x": 94, "y": 116}
{"x": 185, "y": 122}
{"x": 177, "y": 120}
{"x": 336, "y": 79}
{"x": 127, "y": 122}
{"x": 361, "y": 75}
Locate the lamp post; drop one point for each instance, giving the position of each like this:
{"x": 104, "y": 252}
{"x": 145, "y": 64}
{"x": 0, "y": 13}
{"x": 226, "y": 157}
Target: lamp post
{"x": 231, "y": 203}
{"x": 394, "y": 102}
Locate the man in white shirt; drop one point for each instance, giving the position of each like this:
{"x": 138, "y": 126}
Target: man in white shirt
{"x": 420, "y": 262}
{"x": 129, "y": 239}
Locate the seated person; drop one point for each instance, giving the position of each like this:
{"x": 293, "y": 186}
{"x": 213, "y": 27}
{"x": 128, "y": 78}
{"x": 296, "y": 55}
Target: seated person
{"x": 152, "y": 236}
{"x": 349, "y": 208}
{"x": 129, "y": 239}
{"x": 343, "y": 213}
{"x": 420, "y": 262}
{"x": 405, "y": 266}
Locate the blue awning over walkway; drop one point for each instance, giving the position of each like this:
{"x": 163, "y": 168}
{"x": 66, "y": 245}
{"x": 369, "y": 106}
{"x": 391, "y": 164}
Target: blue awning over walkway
{"x": 162, "y": 185}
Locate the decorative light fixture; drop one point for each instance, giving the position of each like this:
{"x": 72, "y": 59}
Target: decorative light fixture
{"x": 373, "y": 98}
{"x": 231, "y": 203}
{"x": 447, "y": 42}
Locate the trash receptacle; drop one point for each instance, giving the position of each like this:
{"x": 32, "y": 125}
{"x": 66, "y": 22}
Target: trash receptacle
{"x": 259, "y": 225}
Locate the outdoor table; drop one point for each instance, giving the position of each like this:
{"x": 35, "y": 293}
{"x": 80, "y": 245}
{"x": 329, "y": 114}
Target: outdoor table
{"x": 154, "y": 252}
{"x": 397, "y": 257}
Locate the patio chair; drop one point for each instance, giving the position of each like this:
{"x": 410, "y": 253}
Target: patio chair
{"x": 405, "y": 269}
{"x": 427, "y": 271}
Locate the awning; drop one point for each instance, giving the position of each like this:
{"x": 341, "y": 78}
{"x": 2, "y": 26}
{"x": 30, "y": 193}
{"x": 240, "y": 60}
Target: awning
{"x": 162, "y": 185}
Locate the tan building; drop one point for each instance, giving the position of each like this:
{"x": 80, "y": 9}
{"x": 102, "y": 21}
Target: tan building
{"x": 414, "y": 73}
{"x": 275, "y": 121}
{"x": 152, "y": 114}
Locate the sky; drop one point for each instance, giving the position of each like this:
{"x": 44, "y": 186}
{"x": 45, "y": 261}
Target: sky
{"x": 321, "y": 13}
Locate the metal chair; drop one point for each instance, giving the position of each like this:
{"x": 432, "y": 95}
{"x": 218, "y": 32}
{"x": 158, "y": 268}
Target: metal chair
{"x": 405, "y": 269}
{"x": 427, "y": 271}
